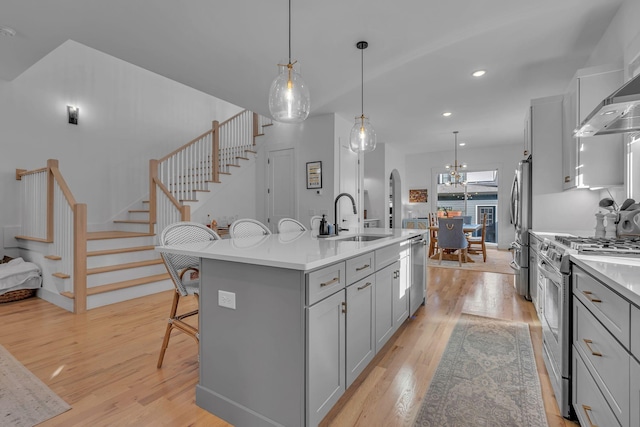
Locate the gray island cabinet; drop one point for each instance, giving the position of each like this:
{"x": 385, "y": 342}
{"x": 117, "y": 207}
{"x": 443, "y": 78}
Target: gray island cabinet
{"x": 289, "y": 321}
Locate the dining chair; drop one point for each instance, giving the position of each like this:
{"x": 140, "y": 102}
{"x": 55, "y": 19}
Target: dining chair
{"x": 480, "y": 241}
{"x": 315, "y": 223}
{"x": 433, "y": 234}
{"x": 451, "y": 237}
{"x": 245, "y": 227}
{"x": 289, "y": 224}
{"x": 184, "y": 272}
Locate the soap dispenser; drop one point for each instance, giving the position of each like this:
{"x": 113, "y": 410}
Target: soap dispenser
{"x": 323, "y": 227}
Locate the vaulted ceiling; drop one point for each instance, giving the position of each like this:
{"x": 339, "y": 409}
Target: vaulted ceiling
{"x": 419, "y": 62}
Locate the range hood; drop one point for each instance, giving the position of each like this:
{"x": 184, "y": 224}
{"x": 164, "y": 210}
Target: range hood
{"x": 618, "y": 113}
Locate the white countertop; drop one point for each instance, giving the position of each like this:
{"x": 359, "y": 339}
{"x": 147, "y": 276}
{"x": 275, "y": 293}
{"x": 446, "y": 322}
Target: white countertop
{"x": 622, "y": 274}
{"x": 296, "y": 250}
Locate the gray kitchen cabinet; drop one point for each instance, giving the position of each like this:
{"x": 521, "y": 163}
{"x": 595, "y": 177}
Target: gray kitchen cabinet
{"x": 361, "y": 340}
{"x": 534, "y": 245}
{"x": 384, "y": 322}
{"x": 634, "y": 392}
{"x": 606, "y": 384}
{"x": 595, "y": 161}
{"x": 326, "y": 379}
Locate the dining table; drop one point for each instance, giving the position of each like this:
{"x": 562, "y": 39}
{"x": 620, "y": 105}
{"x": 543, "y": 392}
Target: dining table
{"x": 466, "y": 228}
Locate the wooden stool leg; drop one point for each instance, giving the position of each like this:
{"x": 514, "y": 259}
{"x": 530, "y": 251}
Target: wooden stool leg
{"x": 167, "y": 334}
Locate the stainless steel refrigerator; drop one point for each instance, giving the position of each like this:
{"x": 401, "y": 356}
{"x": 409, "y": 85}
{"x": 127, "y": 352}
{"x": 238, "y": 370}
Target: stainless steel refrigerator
{"x": 521, "y": 220}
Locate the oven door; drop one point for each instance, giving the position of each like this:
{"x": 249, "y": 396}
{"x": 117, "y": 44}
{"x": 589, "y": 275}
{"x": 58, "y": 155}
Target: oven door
{"x": 555, "y": 331}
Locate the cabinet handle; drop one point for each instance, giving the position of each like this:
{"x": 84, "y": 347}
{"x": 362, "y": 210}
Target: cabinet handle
{"x": 586, "y": 410}
{"x": 344, "y": 309}
{"x": 330, "y": 282}
{"x": 366, "y": 285}
{"x": 588, "y": 344}
{"x": 363, "y": 267}
{"x": 589, "y": 297}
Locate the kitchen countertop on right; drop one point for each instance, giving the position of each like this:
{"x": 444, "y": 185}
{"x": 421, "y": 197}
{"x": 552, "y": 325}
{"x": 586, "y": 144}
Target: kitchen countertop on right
{"x": 619, "y": 273}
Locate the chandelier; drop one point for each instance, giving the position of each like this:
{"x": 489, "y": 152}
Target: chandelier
{"x": 455, "y": 174}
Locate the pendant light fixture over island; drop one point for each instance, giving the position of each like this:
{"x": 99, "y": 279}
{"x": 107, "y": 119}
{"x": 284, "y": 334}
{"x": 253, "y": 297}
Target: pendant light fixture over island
{"x": 363, "y": 136}
{"x": 289, "y": 100}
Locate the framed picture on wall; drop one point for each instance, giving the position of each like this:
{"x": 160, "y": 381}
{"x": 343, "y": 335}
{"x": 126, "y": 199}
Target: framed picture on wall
{"x": 417, "y": 196}
{"x": 314, "y": 174}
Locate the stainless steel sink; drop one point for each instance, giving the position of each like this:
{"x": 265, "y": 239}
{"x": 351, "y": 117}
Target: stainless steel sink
{"x": 361, "y": 238}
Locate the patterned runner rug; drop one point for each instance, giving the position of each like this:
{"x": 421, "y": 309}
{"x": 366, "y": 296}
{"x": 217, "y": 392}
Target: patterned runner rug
{"x": 487, "y": 377}
{"x": 24, "y": 399}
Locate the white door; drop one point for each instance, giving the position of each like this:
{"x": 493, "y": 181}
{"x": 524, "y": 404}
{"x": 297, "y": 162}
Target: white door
{"x": 281, "y": 188}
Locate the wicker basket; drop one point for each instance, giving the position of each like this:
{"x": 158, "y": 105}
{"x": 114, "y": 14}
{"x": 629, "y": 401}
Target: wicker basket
{"x": 17, "y": 295}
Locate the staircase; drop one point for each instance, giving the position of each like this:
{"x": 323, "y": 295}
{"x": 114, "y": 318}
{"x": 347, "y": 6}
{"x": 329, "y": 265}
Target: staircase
{"x": 122, "y": 263}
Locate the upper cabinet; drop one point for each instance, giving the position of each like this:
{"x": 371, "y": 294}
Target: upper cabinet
{"x": 595, "y": 161}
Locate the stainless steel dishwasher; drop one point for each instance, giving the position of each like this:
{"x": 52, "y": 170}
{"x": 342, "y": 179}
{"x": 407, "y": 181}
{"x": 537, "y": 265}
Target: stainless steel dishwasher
{"x": 418, "y": 291}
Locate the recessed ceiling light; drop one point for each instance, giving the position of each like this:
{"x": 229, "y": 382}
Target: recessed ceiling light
{"x": 479, "y": 73}
{"x": 6, "y": 31}
{"x": 462, "y": 144}
{"x": 446, "y": 113}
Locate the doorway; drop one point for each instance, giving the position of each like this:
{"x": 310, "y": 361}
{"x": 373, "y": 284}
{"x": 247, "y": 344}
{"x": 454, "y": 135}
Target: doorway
{"x": 474, "y": 195}
{"x": 395, "y": 200}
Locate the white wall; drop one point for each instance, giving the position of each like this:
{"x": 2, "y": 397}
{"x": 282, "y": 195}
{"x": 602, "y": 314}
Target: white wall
{"x": 378, "y": 167}
{"x": 422, "y": 171}
{"x": 128, "y": 115}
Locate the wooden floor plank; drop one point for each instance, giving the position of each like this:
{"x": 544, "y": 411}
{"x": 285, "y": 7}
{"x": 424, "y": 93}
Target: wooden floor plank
{"x": 103, "y": 362}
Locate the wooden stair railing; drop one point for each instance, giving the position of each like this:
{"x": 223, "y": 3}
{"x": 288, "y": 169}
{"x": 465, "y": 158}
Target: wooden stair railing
{"x": 191, "y": 167}
{"x": 50, "y": 214}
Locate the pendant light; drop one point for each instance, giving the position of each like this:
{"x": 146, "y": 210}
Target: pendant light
{"x": 453, "y": 169}
{"x": 289, "y": 100}
{"x": 363, "y": 136}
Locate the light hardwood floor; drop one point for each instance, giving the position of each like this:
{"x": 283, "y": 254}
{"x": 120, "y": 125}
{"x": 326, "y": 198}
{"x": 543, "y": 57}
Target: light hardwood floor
{"x": 103, "y": 362}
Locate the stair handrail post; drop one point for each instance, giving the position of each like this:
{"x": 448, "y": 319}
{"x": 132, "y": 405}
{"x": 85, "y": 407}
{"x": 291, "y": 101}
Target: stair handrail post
{"x": 186, "y": 213}
{"x": 215, "y": 151}
{"x": 256, "y": 131}
{"x": 153, "y": 176}
{"x": 51, "y": 164}
{"x": 80, "y": 258}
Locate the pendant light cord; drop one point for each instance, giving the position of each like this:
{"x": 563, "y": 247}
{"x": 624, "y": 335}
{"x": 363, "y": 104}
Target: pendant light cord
{"x": 289, "y": 31}
{"x": 362, "y": 80}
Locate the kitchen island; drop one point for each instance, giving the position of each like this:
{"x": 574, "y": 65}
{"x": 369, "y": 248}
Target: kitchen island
{"x": 288, "y": 321}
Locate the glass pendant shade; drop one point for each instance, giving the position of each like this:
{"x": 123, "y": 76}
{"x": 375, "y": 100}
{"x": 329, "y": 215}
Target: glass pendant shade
{"x": 363, "y": 136}
{"x": 289, "y": 100}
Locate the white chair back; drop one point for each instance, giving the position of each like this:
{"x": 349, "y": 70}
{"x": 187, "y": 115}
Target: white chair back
{"x": 246, "y": 227}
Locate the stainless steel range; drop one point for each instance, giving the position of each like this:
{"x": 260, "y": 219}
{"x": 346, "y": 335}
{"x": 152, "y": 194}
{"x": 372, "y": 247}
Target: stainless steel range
{"x": 554, "y": 278}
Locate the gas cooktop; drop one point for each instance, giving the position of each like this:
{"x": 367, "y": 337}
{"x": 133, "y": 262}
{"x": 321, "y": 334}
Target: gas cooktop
{"x": 623, "y": 246}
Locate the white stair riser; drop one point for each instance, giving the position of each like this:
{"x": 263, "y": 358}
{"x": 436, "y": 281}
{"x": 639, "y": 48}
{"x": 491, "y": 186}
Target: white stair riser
{"x": 122, "y": 275}
{"x": 121, "y": 258}
{"x": 138, "y": 216}
{"x": 99, "y": 300}
{"x": 105, "y": 244}
{"x": 132, "y": 227}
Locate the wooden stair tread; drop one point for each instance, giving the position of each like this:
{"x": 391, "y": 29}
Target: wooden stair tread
{"x": 127, "y": 284}
{"x": 268, "y": 124}
{"x": 121, "y": 250}
{"x": 251, "y": 151}
{"x": 242, "y": 158}
{"x": 224, "y": 173}
{"x": 188, "y": 200}
{"x": 125, "y": 266}
{"x": 61, "y": 275}
{"x": 231, "y": 164}
{"x": 203, "y": 191}
{"x": 53, "y": 257}
{"x": 68, "y": 294}
{"x": 115, "y": 234}
{"x": 139, "y": 211}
